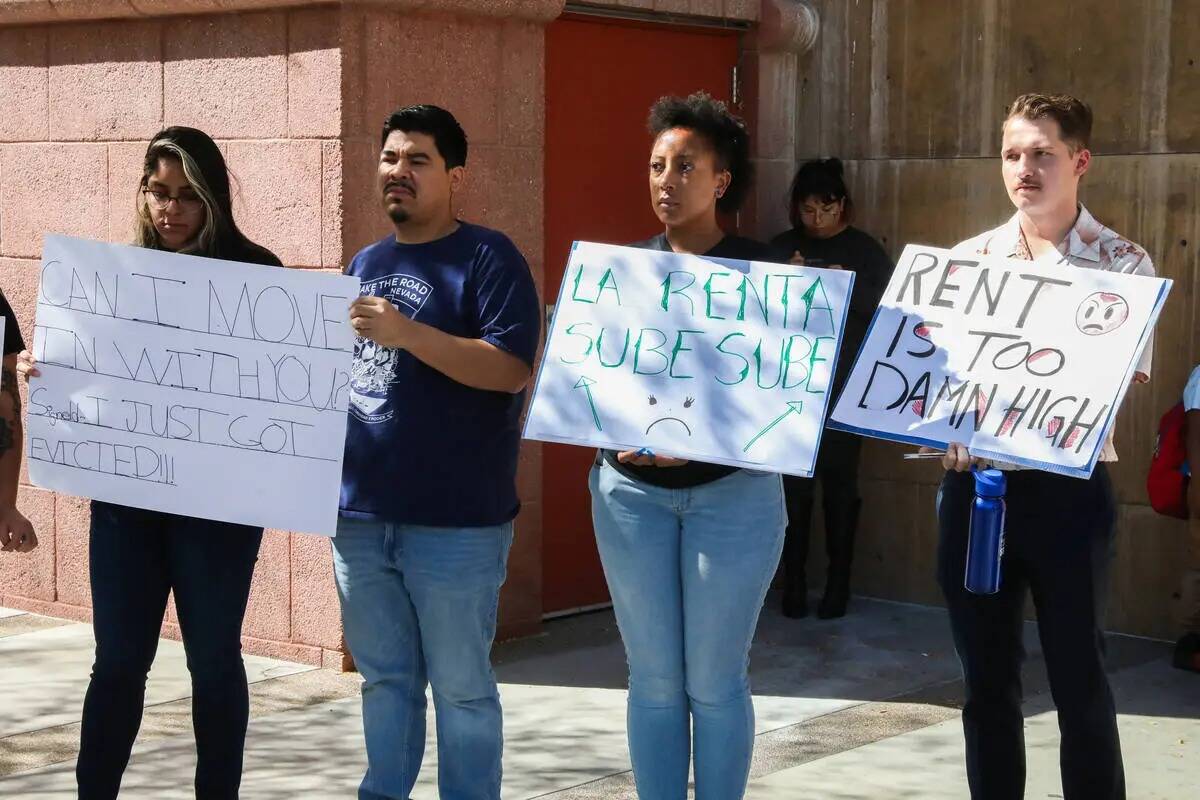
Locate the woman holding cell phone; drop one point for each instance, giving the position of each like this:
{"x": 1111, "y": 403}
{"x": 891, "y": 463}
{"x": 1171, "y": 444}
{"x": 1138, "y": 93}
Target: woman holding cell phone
{"x": 138, "y": 557}
{"x": 689, "y": 548}
{"x": 821, "y": 235}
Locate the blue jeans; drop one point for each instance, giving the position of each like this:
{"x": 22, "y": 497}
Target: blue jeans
{"x": 688, "y": 570}
{"x": 418, "y": 609}
{"x": 136, "y": 558}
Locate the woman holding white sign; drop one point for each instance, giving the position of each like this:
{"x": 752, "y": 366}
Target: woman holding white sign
{"x": 689, "y": 548}
{"x": 138, "y": 557}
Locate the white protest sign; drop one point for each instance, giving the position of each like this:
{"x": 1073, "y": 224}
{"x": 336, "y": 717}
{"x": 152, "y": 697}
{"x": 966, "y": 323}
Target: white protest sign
{"x": 189, "y": 385}
{"x": 1023, "y": 361}
{"x": 707, "y": 359}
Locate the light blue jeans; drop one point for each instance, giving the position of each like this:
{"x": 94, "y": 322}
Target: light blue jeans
{"x": 419, "y": 608}
{"x": 688, "y": 570}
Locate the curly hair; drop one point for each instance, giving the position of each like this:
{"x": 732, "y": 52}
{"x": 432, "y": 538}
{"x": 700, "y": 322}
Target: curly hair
{"x": 725, "y": 132}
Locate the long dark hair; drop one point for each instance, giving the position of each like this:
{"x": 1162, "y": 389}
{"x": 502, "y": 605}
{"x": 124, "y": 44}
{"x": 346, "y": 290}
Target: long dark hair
{"x": 822, "y": 178}
{"x": 205, "y": 169}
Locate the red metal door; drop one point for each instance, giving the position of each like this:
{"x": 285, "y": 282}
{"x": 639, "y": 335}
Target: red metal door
{"x": 601, "y": 77}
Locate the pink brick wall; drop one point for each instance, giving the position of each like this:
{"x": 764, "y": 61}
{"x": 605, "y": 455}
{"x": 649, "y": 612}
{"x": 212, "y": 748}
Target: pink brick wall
{"x": 490, "y": 75}
{"x": 295, "y": 96}
{"x": 80, "y": 101}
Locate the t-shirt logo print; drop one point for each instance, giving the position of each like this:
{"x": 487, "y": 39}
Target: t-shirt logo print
{"x": 374, "y": 369}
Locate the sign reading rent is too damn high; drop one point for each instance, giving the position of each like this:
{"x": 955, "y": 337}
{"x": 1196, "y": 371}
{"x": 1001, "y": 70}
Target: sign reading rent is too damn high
{"x": 190, "y": 385}
{"x": 706, "y": 359}
{"x": 1025, "y": 362}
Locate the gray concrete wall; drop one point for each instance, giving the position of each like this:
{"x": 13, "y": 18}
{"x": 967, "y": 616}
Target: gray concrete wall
{"x": 911, "y": 94}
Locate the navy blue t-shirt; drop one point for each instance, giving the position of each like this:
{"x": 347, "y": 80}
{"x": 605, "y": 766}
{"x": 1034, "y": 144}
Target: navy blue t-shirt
{"x": 421, "y": 448}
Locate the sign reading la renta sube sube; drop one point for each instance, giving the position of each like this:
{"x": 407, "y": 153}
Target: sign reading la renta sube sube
{"x": 191, "y": 385}
{"x": 706, "y": 359}
{"x": 1026, "y": 362}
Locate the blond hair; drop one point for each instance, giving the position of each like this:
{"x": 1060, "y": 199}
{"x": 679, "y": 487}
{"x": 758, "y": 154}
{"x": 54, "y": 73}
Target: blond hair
{"x": 146, "y": 234}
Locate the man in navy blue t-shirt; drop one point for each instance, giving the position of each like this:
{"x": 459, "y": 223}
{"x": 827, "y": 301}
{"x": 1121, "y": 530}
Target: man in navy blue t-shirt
{"x": 448, "y": 326}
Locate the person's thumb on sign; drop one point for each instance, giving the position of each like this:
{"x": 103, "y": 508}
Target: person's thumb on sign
{"x": 27, "y": 365}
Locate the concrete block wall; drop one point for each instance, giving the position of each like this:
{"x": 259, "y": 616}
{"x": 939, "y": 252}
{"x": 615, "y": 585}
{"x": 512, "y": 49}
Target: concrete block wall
{"x": 295, "y": 96}
{"x": 81, "y": 100}
{"x": 490, "y": 74}
{"x": 295, "y": 93}
{"x": 911, "y": 96}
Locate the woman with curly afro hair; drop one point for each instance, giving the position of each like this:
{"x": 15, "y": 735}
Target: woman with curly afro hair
{"x": 689, "y": 548}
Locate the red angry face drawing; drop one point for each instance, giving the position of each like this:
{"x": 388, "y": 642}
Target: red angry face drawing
{"x": 1101, "y": 313}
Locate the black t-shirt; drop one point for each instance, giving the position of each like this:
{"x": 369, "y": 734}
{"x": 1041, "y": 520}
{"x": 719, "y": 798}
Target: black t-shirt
{"x": 250, "y": 253}
{"x": 13, "y": 343}
{"x": 693, "y": 473}
{"x": 857, "y": 251}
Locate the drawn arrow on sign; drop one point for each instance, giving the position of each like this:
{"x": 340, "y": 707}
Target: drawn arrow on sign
{"x": 586, "y": 384}
{"x": 794, "y": 407}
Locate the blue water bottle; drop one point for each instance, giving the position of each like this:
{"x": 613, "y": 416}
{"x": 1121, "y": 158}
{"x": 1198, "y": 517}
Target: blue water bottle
{"x": 985, "y": 543}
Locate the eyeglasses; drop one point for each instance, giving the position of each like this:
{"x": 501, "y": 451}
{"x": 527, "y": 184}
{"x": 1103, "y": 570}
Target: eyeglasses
{"x": 159, "y": 200}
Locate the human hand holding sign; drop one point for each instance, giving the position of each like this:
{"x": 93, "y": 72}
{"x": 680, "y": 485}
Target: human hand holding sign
{"x": 957, "y": 457}
{"x": 645, "y": 458}
{"x": 27, "y": 365}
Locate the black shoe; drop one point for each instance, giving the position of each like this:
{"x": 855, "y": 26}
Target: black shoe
{"x": 795, "y": 601}
{"x": 833, "y": 603}
{"x": 1187, "y": 653}
{"x": 841, "y": 523}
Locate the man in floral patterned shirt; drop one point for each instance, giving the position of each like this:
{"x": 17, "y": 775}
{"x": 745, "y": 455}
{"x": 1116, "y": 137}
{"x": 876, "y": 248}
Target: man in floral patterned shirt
{"x": 1060, "y": 530}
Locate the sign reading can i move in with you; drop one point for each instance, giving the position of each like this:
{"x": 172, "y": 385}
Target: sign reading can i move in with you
{"x": 191, "y": 385}
{"x": 1025, "y": 362}
{"x": 706, "y": 359}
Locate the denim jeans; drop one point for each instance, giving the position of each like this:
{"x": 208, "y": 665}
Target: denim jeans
{"x": 136, "y": 559}
{"x": 419, "y": 609}
{"x": 688, "y": 570}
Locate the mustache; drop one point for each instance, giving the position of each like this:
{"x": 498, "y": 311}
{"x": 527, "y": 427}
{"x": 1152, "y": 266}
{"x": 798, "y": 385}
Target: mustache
{"x": 400, "y": 184}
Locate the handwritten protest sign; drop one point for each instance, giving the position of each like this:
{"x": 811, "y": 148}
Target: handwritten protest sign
{"x": 1025, "y": 362}
{"x": 706, "y": 359}
{"x": 190, "y": 385}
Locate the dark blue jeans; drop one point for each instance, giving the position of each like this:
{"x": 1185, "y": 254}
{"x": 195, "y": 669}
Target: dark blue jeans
{"x": 1058, "y": 546}
{"x": 137, "y": 558}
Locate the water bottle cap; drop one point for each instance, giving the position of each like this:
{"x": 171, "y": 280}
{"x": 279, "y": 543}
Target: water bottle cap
{"x": 989, "y": 483}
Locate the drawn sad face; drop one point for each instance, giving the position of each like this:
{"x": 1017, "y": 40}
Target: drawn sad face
{"x": 1101, "y": 313}
{"x": 668, "y": 419}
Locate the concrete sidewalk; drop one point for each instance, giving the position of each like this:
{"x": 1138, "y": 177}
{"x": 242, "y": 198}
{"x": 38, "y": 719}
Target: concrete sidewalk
{"x": 864, "y": 707}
